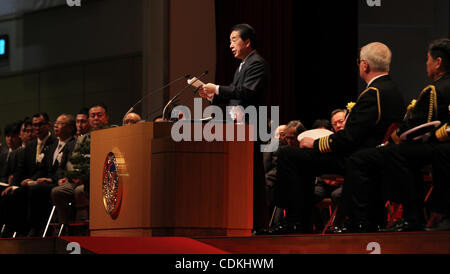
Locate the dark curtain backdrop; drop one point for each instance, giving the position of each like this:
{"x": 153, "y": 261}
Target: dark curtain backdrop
{"x": 310, "y": 48}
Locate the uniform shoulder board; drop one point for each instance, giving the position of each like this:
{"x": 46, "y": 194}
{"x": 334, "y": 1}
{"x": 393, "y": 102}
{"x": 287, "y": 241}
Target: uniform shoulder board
{"x": 377, "y": 91}
{"x": 432, "y": 108}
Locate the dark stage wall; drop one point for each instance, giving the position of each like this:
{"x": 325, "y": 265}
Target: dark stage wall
{"x": 310, "y": 47}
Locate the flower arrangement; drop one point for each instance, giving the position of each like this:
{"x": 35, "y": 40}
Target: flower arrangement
{"x": 350, "y": 105}
{"x": 412, "y": 104}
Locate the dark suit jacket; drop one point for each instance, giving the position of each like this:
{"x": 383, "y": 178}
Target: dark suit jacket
{"x": 270, "y": 166}
{"x": 248, "y": 86}
{"x": 55, "y": 171}
{"x": 10, "y": 165}
{"x": 377, "y": 107}
{"x": 27, "y": 166}
{"x": 3, "y": 155}
{"x": 432, "y": 104}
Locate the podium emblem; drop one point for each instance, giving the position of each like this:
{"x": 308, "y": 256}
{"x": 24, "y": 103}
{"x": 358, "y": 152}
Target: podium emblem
{"x": 111, "y": 186}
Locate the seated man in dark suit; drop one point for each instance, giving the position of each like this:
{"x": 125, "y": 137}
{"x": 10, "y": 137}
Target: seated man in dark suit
{"x": 8, "y": 159}
{"x": 288, "y": 136}
{"x": 46, "y": 177}
{"x": 375, "y": 110}
{"x": 74, "y": 188}
{"x": 29, "y": 161}
{"x": 7, "y": 172}
{"x": 35, "y": 150}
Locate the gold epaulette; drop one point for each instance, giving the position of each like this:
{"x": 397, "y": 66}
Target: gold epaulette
{"x": 378, "y": 100}
{"x": 432, "y": 105}
{"x": 442, "y": 134}
{"x": 324, "y": 144}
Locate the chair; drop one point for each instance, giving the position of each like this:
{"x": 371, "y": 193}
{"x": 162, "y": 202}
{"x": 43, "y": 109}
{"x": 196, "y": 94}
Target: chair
{"x": 53, "y": 222}
{"x": 394, "y": 212}
{"x": 277, "y": 214}
{"x": 395, "y": 209}
{"x": 328, "y": 202}
{"x": 428, "y": 178}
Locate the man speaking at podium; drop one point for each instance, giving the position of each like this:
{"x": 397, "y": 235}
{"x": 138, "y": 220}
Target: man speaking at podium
{"x": 247, "y": 89}
{"x": 250, "y": 79}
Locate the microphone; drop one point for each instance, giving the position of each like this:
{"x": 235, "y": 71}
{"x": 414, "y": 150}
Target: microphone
{"x": 154, "y": 91}
{"x": 182, "y": 90}
{"x": 195, "y": 91}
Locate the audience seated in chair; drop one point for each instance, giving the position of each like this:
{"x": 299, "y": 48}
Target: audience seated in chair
{"x": 287, "y": 136}
{"x": 74, "y": 188}
{"x": 326, "y": 188}
{"x": 51, "y": 168}
{"x": 29, "y": 162}
{"x": 8, "y": 165}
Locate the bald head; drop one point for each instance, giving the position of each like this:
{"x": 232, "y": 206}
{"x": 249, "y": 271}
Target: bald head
{"x": 378, "y": 55}
{"x": 131, "y": 118}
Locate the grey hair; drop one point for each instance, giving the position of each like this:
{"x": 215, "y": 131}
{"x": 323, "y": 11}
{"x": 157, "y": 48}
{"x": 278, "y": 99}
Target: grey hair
{"x": 378, "y": 55}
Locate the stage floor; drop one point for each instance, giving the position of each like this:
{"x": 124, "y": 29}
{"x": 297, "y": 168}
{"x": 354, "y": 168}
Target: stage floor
{"x": 375, "y": 243}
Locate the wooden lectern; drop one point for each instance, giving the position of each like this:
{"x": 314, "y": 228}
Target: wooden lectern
{"x": 168, "y": 188}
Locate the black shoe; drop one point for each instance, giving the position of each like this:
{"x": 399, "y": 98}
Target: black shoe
{"x": 403, "y": 226}
{"x": 337, "y": 229}
{"x": 286, "y": 228}
{"x": 354, "y": 227}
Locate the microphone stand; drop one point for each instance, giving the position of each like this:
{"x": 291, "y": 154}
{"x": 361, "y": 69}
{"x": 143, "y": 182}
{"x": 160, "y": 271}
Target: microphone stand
{"x": 152, "y": 92}
{"x": 181, "y": 91}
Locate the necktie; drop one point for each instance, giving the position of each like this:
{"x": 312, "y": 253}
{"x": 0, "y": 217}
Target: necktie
{"x": 7, "y": 156}
{"x": 39, "y": 149}
{"x": 57, "y": 151}
{"x": 240, "y": 66}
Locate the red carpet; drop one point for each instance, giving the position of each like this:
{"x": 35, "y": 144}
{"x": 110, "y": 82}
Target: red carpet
{"x": 144, "y": 245}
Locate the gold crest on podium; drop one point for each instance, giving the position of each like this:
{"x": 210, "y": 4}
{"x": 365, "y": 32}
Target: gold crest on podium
{"x": 112, "y": 187}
